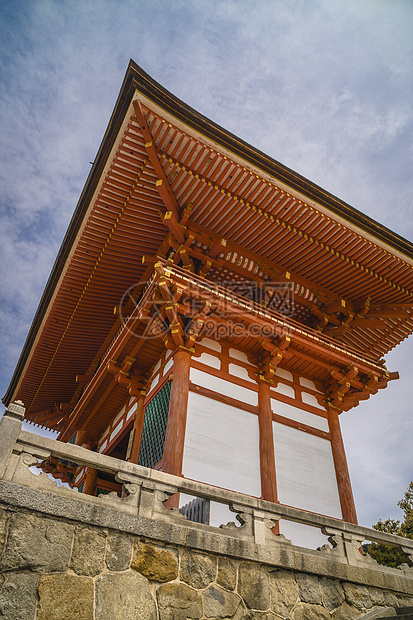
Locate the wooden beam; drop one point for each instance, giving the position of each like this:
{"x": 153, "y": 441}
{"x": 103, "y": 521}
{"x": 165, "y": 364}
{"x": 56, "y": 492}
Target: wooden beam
{"x": 137, "y": 429}
{"x": 401, "y": 313}
{"x": 89, "y": 487}
{"x": 271, "y": 268}
{"x": 170, "y": 221}
{"x": 162, "y": 184}
{"x": 175, "y": 429}
{"x": 267, "y": 456}
{"x": 345, "y": 492}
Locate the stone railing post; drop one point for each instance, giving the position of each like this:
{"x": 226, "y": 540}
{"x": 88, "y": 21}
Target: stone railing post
{"x": 10, "y": 427}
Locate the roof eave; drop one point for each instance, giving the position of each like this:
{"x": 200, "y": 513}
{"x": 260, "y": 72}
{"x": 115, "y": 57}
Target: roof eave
{"x": 138, "y": 80}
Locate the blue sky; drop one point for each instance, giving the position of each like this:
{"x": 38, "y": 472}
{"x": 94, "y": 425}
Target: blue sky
{"x": 324, "y": 86}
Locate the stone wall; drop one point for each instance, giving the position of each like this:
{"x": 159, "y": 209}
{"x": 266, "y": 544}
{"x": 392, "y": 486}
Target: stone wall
{"x": 65, "y": 569}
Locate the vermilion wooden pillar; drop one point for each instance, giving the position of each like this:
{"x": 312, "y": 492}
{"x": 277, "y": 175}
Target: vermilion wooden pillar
{"x": 173, "y": 453}
{"x": 81, "y": 438}
{"x": 175, "y": 430}
{"x": 267, "y": 456}
{"x": 340, "y": 463}
{"x": 137, "y": 429}
{"x": 89, "y": 486}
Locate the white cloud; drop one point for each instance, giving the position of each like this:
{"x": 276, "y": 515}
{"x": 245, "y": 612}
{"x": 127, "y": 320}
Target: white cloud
{"x": 324, "y": 87}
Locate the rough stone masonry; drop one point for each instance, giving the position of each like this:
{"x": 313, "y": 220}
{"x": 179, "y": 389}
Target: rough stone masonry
{"x": 63, "y": 569}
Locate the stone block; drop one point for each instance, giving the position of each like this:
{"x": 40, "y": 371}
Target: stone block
{"x": 382, "y": 598}
{"x": 18, "y": 596}
{"x": 261, "y": 615}
{"x": 197, "y": 570}
{"x": 88, "y": 552}
{"x": 125, "y": 596}
{"x": 309, "y": 588}
{"x": 306, "y": 611}
{"x": 65, "y": 596}
{"x": 155, "y": 563}
{"x": 118, "y": 551}
{"x": 227, "y": 574}
{"x": 345, "y": 612}
{"x": 219, "y": 603}
{"x": 10, "y": 425}
{"x": 36, "y": 543}
{"x": 358, "y": 596}
{"x": 253, "y": 586}
{"x": 177, "y": 601}
{"x": 3, "y": 526}
{"x": 284, "y": 592}
{"x": 332, "y": 593}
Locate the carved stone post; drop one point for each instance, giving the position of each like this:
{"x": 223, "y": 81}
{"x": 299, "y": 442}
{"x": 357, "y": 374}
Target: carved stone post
{"x": 10, "y": 427}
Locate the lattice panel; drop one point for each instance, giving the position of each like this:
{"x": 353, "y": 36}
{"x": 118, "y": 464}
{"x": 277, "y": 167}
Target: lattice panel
{"x": 154, "y": 427}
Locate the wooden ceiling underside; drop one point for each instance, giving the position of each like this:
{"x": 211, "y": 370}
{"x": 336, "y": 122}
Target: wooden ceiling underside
{"x": 339, "y": 277}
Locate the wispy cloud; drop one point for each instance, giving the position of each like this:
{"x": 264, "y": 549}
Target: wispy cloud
{"x": 324, "y": 87}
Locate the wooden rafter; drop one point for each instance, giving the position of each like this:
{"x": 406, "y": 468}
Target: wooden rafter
{"x": 162, "y": 184}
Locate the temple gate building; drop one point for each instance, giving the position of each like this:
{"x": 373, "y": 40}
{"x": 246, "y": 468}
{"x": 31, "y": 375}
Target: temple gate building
{"x": 211, "y": 313}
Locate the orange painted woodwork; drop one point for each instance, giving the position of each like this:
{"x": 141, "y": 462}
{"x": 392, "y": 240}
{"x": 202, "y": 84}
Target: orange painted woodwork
{"x": 345, "y": 492}
{"x": 137, "y": 429}
{"x": 82, "y": 438}
{"x": 207, "y": 208}
{"x": 89, "y": 488}
{"x": 178, "y": 405}
{"x": 267, "y": 458}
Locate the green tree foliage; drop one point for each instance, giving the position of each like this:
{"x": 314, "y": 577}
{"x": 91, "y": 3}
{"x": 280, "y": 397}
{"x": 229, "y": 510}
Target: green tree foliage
{"x": 389, "y": 556}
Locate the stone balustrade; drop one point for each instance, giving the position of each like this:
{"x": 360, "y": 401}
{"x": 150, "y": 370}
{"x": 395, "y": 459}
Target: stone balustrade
{"x": 146, "y": 490}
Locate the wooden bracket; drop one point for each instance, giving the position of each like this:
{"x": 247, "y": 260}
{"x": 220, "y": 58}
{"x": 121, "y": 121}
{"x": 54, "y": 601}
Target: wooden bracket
{"x": 273, "y": 356}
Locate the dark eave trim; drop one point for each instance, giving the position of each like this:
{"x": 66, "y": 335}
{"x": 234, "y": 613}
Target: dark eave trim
{"x": 138, "y": 80}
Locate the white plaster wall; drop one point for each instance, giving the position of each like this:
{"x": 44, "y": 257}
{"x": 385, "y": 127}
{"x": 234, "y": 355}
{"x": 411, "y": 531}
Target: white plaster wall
{"x": 299, "y": 415}
{"x": 303, "y": 535}
{"x": 209, "y": 360}
{"x": 305, "y": 471}
{"x": 311, "y": 400}
{"x": 224, "y": 387}
{"x": 154, "y": 382}
{"x": 156, "y": 368}
{"x": 287, "y": 390}
{"x": 222, "y": 446}
{"x": 132, "y": 410}
{"x": 239, "y": 371}
{"x": 238, "y": 355}
{"x": 308, "y": 384}
{"x": 211, "y": 344}
{"x": 168, "y": 365}
{"x": 284, "y": 374}
{"x": 120, "y": 414}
